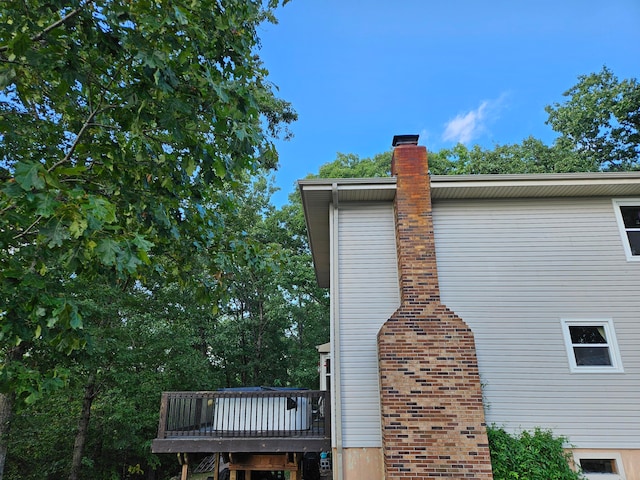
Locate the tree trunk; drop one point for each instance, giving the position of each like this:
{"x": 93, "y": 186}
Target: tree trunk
{"x": 6, "y": 410}
{"x": 257, "y": 364}
{"x": 83, "y": 427}
{"x": 6, "y": 407}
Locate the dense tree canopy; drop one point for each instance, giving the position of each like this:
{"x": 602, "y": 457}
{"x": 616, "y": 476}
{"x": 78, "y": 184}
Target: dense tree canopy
{"x": 601, "y": 120}
{"x": 259, "y": 327}
{"x": 352, "y": 166}
{"x": 273, "y": 314}
{"x": 100, "y": 425}
{"x": 530, "y": 156}
{"x": 124, "y": 124}
{"x": 125, "y": 127}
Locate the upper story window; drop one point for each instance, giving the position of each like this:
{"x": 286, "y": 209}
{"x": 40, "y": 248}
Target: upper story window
{"x": 628, "y": 215}
{"x": 591, "y": 346}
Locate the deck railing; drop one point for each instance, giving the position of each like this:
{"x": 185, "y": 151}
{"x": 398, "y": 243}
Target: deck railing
{"x": 264, "y": 414}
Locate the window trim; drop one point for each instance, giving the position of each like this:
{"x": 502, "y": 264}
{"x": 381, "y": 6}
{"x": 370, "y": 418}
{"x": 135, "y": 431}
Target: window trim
{"x": 577, "y": 456}
{"x": 612, "y": 344}
{"x": 625, "y": 202}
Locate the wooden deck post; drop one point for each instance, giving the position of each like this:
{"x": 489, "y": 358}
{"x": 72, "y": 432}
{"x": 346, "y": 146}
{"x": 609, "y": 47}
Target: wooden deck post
{"x": 162, "y": 426}
{"x": 184, "y": 461}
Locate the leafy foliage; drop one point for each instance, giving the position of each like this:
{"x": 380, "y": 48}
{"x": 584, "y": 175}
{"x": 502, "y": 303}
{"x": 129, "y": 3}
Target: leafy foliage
{"x": 273, "y": 314}
{"x": 142, "y": 342}
{"x": 537, "y": 455}
{"x": 266, "y": 318}
{"x": 352, "y": 166}
{"x": 530, "y": 156}
{"x": 601, "y": 120}
{"x": 125, "y": 125}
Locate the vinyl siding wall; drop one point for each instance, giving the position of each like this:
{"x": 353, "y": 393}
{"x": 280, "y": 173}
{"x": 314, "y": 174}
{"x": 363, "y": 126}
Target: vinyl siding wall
{"x": 368, "y": 292}
{"x": 512, "y": 269}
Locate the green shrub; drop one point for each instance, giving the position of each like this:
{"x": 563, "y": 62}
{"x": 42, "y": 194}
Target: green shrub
{"x": 536, "y": 455}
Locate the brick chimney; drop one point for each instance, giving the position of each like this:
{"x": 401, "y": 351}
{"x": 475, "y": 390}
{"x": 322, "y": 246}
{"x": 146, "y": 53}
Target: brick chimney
{"x": 431, "y": 399}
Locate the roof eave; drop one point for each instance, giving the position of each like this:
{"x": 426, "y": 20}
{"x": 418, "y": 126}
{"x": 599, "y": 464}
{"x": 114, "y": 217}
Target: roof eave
{"x": 317, "y": 197}
{"x": 319, "y": 193}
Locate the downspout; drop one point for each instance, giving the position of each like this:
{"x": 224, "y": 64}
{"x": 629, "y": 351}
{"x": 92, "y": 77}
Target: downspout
{"x": 336, "y": 407}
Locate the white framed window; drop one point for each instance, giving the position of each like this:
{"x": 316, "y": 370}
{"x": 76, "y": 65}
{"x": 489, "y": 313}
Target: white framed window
{"x": 628, "y": 217}
{"x": 591, "y": 346}
{"x": 600, "y": 465}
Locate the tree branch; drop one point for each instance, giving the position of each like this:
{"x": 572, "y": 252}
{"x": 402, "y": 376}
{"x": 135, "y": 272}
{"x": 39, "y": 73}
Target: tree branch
{"x": 54, "y": 25}
{"x": 88, "y": 123}
{"x": 69, "y": 154}
{"x": 28, "y": 229}
{"x": 7, "y": 208}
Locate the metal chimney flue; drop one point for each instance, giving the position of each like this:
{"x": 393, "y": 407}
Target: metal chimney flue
{"x": 404, "y": 140}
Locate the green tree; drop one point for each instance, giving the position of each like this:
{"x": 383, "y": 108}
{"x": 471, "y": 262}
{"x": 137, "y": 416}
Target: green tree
{"x": 157, "y": 334}
{"x": 352, "y": 166}
{"x": 249, "y": 338}
{"x": 143, "y": 341}
{"x": 301, "y": 301}
{"x": 530, "y": 156}
{"x": 601, "y": 120}
{"x": 270, "y": 320}
{"x": 122, "y": 127}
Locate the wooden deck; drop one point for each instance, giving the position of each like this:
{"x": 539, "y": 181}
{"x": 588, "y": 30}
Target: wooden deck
{"x": 264, "y": 421}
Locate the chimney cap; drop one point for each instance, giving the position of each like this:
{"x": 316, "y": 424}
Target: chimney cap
{"x": 404, "y": 140}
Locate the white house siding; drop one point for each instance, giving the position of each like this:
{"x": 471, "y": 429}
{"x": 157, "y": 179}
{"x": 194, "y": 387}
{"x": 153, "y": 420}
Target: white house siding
{"x": 368, "y": 290}
{"x": 512, "y": 269}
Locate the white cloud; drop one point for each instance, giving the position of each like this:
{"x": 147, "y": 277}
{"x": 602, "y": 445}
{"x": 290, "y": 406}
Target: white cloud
{"x": 469, "y": 126}
{"x": 424, "y": 137}
{"x": 466, "y": 127}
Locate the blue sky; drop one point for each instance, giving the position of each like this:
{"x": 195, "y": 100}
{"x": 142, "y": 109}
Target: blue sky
{"x": 359, "y": 72}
